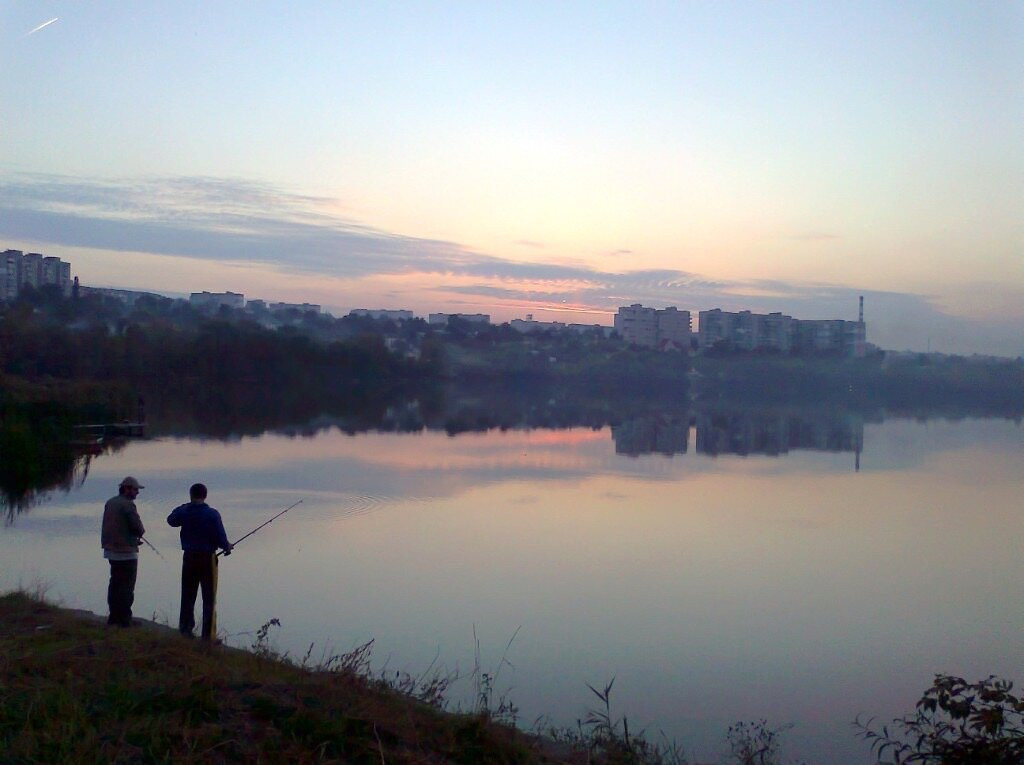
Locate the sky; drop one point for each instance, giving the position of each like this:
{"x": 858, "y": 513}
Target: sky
{"x": 555, "y": 159}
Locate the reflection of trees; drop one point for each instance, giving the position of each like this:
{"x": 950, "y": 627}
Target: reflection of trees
{"x": 483, "y": 407}
{"x": 29, "y": 476}
{"x": 230, "y": 412}
{"x": 39, "y": 455}
{"x": 22, "y": 489}
{"x": 919, "y": 385}
{"x": 641, "y": 424}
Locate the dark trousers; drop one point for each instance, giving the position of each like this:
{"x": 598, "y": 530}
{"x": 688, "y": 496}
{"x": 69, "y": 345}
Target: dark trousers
{"x": 196, "y": 572}
{"x": 121, "y": 591}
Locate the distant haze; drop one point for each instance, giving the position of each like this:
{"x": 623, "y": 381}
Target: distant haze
{"x": 554, "y": 159}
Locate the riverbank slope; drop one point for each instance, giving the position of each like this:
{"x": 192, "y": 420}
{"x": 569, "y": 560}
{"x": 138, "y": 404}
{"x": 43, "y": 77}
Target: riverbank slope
{"x": 74, "y": 690}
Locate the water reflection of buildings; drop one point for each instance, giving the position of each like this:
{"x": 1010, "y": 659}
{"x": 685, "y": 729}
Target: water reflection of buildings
{"x": 777, "y": 433}
{"x": 652, "y": 434}
{"x": 742, "y": 433}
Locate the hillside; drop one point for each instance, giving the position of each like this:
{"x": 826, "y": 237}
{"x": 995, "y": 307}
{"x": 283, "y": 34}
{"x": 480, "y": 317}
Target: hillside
{"x": 74, "y": 690}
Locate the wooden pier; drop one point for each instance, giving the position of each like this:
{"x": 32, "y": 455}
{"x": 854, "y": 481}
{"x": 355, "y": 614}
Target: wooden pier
{"x": 113, "y": 430}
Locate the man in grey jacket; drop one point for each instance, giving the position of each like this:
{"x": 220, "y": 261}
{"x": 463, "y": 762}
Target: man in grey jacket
{"x": 121, "y": 533}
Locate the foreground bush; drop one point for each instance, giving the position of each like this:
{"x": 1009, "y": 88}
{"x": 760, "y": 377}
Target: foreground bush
{"x": 956, "y": 723}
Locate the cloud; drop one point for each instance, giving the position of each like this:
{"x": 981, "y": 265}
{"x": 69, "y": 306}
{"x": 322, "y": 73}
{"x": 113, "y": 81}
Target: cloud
{"x": 212, "y": 219}
{"x": 503, "y": 293}
{"x": 243, "y": 221}
{"x": 235, "y": 220}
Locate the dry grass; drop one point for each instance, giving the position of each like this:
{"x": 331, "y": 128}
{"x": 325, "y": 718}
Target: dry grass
{"x": 74, "y": 690}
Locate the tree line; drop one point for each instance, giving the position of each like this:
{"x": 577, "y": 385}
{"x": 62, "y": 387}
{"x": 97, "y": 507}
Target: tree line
{"x": 48, "y": 339}
{"x": 163, "y": 347}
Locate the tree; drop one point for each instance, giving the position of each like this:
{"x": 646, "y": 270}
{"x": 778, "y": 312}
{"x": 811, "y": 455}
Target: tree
{"x": 955, "y": 723}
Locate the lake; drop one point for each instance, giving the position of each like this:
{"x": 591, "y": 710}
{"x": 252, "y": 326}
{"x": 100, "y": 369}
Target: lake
{"x": 720, "y": 568}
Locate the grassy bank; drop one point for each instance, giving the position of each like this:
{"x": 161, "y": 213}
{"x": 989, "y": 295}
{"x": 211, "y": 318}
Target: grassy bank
{"x": 74, "y": 690}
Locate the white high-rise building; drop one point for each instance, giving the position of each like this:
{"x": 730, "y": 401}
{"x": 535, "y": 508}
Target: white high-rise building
{"x": 64, "y": 278}
{"x": 653, "y": 327}
{"x": 747, "y": 331}
{"x": 31, "y": 270}
{"x": 10, "y": 274}
{"x": 19, "y": 269}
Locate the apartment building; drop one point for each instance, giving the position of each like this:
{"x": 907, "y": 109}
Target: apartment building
{"x": 31, "y": 270}
{"x": 53, "y": 270}
{"x": 744, "y": 330}
{"x": 128, "y": 297}
{"x": 666, "y": 328}
{"x": 441, "y": 319}
{"x": 747, "y": 331}
{"x": 49, "y": 270}
{"x": 301, "y": 307}
{"x": 19, "y": 269}
{"x": 212, "y": 301}
{"x": 529, "y": 326}
{"x": 382, "y": 313}
{"x": 64, "y": 280}
{"x": 10, "y": 274}
{"x": 674, "y": 328}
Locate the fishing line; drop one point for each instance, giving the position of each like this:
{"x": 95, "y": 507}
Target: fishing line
{"x": 265, "y": 523}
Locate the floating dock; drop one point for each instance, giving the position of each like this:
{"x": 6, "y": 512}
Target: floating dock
{"x": 113, "y": 430}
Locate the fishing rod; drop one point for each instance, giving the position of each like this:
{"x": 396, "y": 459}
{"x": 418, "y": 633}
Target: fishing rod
{"x": 265, "y": 523}
{"x": 150, "y": 546}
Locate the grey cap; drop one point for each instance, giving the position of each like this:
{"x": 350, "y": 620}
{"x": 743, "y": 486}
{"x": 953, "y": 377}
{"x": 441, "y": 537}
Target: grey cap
{"x": 132, "y": 483}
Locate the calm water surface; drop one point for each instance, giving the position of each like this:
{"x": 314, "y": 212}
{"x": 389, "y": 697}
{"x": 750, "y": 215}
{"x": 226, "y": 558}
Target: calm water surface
{"x": 713, "y": 588}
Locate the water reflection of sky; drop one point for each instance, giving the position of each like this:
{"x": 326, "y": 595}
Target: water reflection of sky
{"x": 713, "y": 588}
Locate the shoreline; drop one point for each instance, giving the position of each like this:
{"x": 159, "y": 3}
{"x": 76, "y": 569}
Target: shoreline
{"x": 73, "y": 689}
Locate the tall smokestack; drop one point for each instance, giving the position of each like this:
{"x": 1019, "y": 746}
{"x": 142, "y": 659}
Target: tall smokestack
{"x": 860, "y": 316}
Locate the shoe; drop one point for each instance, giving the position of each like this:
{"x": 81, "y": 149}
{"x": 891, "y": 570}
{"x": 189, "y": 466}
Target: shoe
{"x": 187, "y": 635}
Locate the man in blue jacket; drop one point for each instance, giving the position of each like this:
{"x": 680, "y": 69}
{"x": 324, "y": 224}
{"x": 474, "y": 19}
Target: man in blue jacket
{"x": 202, "y": 533}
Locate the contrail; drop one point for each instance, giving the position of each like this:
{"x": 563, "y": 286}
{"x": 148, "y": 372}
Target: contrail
{"x": 43, "y": 25}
